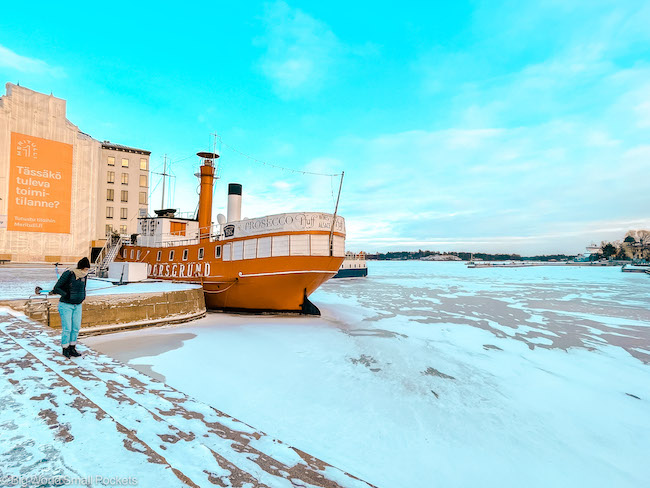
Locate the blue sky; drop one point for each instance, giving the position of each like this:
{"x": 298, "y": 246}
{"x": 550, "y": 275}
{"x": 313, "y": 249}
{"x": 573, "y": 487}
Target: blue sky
{"x": 481, "y": 126}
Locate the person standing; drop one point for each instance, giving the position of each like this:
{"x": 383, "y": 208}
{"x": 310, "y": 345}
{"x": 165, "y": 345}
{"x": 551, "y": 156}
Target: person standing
{"x": 72, "y": 288}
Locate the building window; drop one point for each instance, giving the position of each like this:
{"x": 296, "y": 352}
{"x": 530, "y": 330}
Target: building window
{"x": 109, "y": 212}
{"x": 124, "y": 213}
{"x": 125, "y": 163}
{"x": 125, "y": 178}
{"x": 143, "y": 164}
{"x": 171, "y": 255}
{"x": 143, "y": 198}
{"x": 109, "y": 229}
{"x": 200, "y": 253}
{"x": 185, "y": 254}
{"x": 217, "y": 252}
{"x": 159, "y": 256}
{"x": 110, "y": 177}
{"x": 122, "y": 229}
{"x": 111, "y": 161}
{"x": 125, "y": 196}
{"x": 143, "y": 180}
{"x": 110, "y": 195}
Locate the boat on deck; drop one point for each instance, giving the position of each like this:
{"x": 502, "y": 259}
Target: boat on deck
{"x": 353, "y": 266}
{"x": 266, "y": 264}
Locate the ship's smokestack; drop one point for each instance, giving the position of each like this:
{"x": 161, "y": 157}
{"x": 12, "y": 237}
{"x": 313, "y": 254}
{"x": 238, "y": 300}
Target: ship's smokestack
{"x": 206, "y": 176}
{"x": 234, "y": 202}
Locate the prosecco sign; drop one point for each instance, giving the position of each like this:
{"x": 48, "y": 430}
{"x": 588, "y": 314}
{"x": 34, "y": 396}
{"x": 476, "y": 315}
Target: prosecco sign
{"x": 289, "y": 222}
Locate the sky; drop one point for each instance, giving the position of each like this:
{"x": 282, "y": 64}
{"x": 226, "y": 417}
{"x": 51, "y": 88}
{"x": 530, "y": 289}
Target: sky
{"x": 495, "y": 126}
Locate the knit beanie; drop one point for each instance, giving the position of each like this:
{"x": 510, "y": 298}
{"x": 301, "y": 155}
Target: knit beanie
{"x": 83, "y": 263}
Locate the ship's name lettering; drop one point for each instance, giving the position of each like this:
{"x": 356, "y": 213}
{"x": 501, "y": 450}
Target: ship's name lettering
{"x": 188, "y": 270}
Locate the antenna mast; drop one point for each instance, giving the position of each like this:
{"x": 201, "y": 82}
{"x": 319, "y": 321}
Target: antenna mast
{"x": 162, "y": 202}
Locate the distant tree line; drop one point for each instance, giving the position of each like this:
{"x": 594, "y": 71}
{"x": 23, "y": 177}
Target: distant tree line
{"x": 465, "y": 256}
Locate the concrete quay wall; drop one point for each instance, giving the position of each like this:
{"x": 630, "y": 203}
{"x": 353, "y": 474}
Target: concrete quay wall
{"x": 107, "y": 313}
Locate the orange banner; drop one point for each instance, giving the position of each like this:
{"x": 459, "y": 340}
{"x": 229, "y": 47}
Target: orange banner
{"x": 40, "y": 185}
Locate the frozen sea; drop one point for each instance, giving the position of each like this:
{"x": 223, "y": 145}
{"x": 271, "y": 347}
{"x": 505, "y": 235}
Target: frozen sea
{"x": 429, "y": 374}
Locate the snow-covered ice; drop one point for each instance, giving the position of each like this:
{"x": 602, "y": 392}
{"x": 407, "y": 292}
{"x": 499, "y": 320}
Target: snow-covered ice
{"x": 431, "y": 374}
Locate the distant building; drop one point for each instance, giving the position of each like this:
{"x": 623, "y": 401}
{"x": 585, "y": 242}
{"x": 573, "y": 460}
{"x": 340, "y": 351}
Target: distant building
{"x": 123, "y": 188}
{"x": 637, "y": 248}
{"x": 54, "y": 182}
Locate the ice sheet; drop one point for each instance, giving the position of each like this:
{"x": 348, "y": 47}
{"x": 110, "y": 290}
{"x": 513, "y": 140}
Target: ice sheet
{"x": 431, "y": 374}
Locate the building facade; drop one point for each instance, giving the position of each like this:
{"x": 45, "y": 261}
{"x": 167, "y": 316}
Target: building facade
{"x": 123, "y": 189}
{"x": 53, "y": 182}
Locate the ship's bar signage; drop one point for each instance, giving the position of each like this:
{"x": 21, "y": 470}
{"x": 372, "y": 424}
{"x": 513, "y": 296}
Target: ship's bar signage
{"x": 287, "y": 223}
{"x": 40, "y": 184}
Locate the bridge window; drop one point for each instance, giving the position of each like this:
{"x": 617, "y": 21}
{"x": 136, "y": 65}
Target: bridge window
{"x": 280, "y": 246}
{"x": 320, "y": 245}
{"x": 250, "y": 249}
{"x": 299, "y": 245}
{"x": 264, "y": 247}
{"x": 237, "y": 250}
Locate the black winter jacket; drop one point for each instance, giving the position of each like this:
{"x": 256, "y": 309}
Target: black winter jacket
{"x": 71, "y": 289}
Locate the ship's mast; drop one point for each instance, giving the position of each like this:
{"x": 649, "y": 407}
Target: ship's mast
{"x": 162, "y": 202}
{"x": 336, "y": 209}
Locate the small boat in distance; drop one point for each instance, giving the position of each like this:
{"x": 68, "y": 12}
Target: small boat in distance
{"x": 353, "y": 266}
{"x": 635, "y": 268}
{"x": 271, "y": 263}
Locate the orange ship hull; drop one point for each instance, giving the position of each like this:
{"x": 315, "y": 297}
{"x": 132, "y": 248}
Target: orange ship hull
{"x": 278, "y": 283}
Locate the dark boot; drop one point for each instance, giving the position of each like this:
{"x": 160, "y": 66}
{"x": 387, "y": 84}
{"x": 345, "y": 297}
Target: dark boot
{"x": 72, "y": 350}
{"x": 66, "y": 352}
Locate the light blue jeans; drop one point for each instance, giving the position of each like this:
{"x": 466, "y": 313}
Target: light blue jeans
{"x": 70, "y": 323}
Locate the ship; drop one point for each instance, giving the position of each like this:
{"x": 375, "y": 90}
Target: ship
{"x": 266, "y": 264}
{"x": 353, "y": 266}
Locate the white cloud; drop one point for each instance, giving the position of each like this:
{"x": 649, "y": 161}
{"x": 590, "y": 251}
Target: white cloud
{"x": 300, "y": 52}
{"x": 525, "y": 189}
{"x": 10, "y": 59}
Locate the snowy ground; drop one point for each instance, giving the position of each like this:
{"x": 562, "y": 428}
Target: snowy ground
{"x": 431, "y": 374}
{"x": 19, "y": 283}
{"x": 92, "y": 421}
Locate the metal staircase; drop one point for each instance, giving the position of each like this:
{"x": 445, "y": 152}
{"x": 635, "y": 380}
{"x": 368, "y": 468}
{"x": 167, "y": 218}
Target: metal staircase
{"x": 107, "y": 255}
